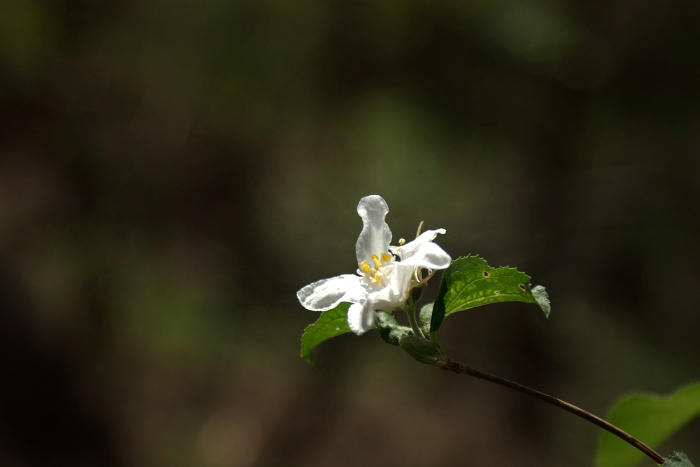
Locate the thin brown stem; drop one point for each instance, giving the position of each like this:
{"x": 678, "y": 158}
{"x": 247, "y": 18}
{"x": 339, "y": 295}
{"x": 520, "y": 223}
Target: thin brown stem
{"x": 456, "y": 367}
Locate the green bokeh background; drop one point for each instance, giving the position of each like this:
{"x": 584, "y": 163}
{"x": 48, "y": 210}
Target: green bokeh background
{"x": 171, "y": 172}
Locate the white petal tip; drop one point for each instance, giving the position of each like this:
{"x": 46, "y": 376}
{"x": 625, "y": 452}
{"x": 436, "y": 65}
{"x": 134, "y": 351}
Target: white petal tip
{"x": 360, "y": 318}
{"x": 372, "y": 204}
{"x": 328, "y": 293}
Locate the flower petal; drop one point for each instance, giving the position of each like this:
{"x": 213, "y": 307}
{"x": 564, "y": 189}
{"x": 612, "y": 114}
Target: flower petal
{"x": 375, "y": 236}
{"x": 395, "y": 293}
{"x": 423, "y": 253}
{"x": 361, "y": 317}
{"x": 328, "y": 293}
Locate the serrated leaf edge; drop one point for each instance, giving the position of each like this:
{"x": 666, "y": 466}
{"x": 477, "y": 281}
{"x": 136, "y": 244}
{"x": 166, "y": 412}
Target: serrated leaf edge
{"x": 447, "y": 307}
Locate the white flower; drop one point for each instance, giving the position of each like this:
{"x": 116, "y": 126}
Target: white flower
{"x": 383, "y": 280}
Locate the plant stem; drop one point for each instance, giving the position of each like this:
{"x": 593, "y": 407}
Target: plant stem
{"x": 412, "y": 319}
{"x": 433, "y": 340}
{"x": 451, "y": 365}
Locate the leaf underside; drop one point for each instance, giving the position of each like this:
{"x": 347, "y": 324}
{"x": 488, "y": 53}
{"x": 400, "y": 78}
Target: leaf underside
{"x": 390, "y": 330}
{"x": 650, "y": 418}
{"x": 425, "y": 317}
{"x": 678, "y": 459}
{"x": 470, "y": 282}
{"x": 331, "y": 323}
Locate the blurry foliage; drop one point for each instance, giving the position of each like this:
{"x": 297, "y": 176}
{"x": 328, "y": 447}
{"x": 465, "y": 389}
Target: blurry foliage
{"x": 171, "y": 172}
{"x": 651, "y": 417}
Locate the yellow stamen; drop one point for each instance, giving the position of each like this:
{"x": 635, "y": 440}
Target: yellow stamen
{"x": 375, "y": 276}
{"x": 365, "y": 267}
{"x": 377, "y": 263}
{"x": 386, "y": 258}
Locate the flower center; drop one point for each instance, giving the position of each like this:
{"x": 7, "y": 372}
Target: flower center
{"x": 375, "y": 272}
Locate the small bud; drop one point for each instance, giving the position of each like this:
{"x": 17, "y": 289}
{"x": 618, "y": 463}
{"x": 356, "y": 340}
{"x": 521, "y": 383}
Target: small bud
{"x": 416, "y": 292}
{"x": 421, "y": 349}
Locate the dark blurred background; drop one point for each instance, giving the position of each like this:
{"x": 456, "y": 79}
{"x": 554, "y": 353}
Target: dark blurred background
{"x": 171, "y": 172}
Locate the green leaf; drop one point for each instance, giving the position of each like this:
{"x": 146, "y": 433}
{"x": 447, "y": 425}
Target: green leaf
{"x": 678, "y": 459}
{"x": 331, "y": 323}
{"x": 470, "y": 282}
{"x": 424, "y": 318}
{"x": 390, "y": 330}
{"x": 421, "y": 349}
{"x": 651, "y": 419}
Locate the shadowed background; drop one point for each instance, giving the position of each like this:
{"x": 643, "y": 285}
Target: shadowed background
{"x": 171, "y": 172}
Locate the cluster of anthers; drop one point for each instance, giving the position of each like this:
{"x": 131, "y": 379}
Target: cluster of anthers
{"x": 377, "y": 272}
